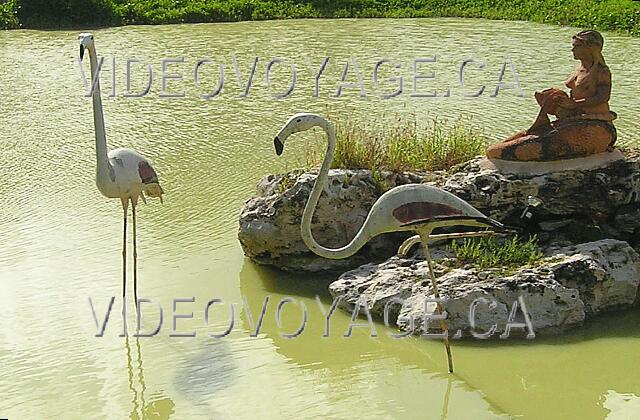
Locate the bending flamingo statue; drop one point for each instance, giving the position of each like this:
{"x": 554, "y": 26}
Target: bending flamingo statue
{"x": 121, "y": 173}
{"x": 413, "y": 207}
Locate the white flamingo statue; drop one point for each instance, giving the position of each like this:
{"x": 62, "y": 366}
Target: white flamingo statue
{"x": 414, "y": 207}
{"x": 121, "y": 173}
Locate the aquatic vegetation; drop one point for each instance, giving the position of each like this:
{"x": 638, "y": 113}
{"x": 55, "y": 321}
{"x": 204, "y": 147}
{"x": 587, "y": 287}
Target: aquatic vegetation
{"x": 621, "y": 15}
{"x": 490, "y": 252}
{"x": 401, "y": 146}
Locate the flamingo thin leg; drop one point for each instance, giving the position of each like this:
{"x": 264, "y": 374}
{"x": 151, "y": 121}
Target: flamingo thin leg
{"x": 124, "y": 253}
{"x": 436, "y": 294}
{"x": 135, "y": 257}
{"x": 125, "y": 208}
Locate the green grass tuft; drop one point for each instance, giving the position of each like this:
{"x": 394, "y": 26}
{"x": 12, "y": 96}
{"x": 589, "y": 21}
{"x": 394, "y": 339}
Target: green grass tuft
{"x": 401, "y": 146}
{"x": 488, "y": 252}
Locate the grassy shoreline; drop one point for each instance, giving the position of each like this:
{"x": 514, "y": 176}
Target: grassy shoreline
{"x": 615, "y": 15}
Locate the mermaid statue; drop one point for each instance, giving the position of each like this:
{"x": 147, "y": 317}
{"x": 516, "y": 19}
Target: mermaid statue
{"x": 583, "y": 124}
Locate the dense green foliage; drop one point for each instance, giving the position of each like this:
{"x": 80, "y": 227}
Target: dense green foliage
{"x": 66, "y": 13}
{"x": 623, "y": 15}
{"x": 9, "y": 15}
{"x": 489, "y": 252}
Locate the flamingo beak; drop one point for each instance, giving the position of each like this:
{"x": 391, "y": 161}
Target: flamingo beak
{"x": 81, "y": 51}
{"x": 278, "y": 145}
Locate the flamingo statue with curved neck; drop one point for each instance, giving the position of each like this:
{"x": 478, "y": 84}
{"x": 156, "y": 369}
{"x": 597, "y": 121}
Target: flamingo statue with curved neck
{"x": 121, "y": 173}
{"x": 413, "y": 207}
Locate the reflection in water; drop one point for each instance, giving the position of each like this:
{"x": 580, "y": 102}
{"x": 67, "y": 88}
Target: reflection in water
{"x": 621, "y": 406}
{"x": 160, "y": 408}
{"x": 421, "y": 382}
{"x": 447, "y": 394}
{"x": 210, "y": 370}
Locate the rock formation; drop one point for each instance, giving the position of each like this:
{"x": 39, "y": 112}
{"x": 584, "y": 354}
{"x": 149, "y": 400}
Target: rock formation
{"x": 573, "y": 284}
{"x": 270, "y": 223}
{"x": 579, "y": 205}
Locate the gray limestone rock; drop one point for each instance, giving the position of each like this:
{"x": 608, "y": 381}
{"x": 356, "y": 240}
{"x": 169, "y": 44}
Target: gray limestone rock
{"x": 579, "y": 205}
{"x": 569, "y": 286}
{"x": 270, "y": 223}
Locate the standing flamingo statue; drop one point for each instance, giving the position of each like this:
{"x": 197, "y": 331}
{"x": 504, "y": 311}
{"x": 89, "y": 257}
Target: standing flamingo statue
{"x": 121, "y": 173}
{"x": 413, "y": 207}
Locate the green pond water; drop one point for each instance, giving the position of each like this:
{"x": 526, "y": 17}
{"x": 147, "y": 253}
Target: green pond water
{"x": 61, "y": 240}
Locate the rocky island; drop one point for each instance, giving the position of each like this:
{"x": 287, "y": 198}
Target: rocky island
{"x": 588, "y": 227}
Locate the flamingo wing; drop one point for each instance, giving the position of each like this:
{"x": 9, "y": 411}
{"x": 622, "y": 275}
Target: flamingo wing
{"x": 423, "y": 210}
{"x": 420, "y": 212}
{"x": 147, "y": 174}
{"x": 406, "y": 207}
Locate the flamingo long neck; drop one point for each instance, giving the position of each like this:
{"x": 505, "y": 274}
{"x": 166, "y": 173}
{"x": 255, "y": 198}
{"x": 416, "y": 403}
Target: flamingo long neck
{"x": 98, "y": 120}
{"x": 361, "y": 237}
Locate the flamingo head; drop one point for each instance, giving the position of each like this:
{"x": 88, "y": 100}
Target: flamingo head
{"x": 86, "y": 42}
{"x": 297, "y": 123}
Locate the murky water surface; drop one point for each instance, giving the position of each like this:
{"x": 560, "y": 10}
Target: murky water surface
{"x": 61, "y": 239}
